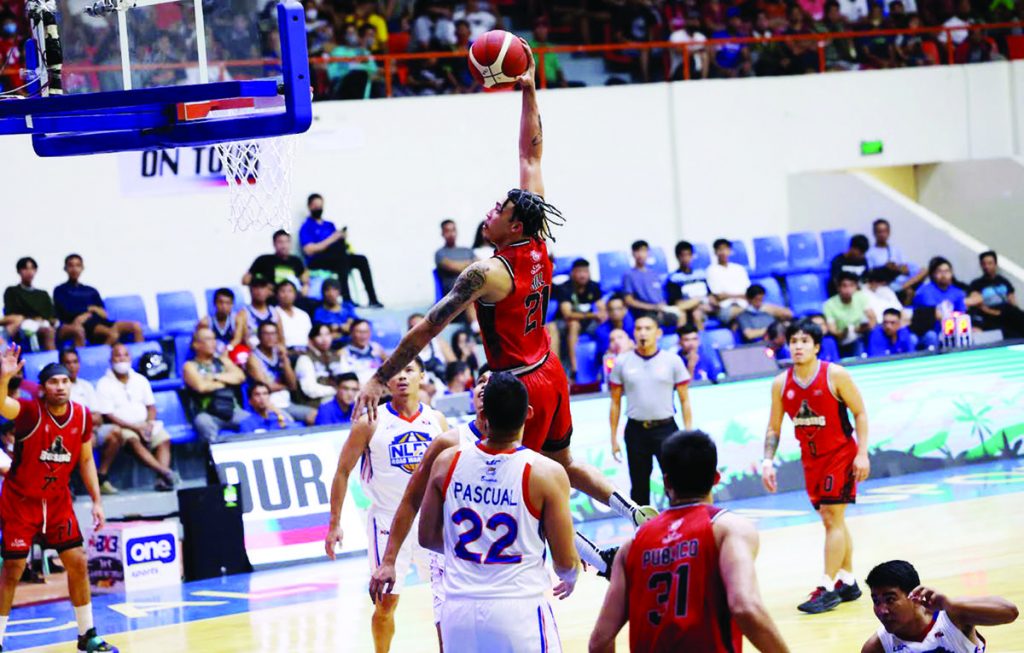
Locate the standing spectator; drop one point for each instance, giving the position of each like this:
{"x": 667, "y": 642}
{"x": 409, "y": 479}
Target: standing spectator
{"x": 849, "y": 315}
{"x": 700, "y": 64}
{"x": 258, "y": 312}
{"x": 325, "y": 248}
{"x": 697, "y": 364}
{"x": 994, "y": 299}
{"x": 318, "y": 365}
{"x": 480, "y": 19}
{"x": 889, "y": 337}
{"x": 647, "y": 377}
{"x": 339, "y": 410}
{"x": 549, "y": 62}
{"x": 900, "y": 273}
{"x": 618, "y": 318}
{"x": 881, "y": 297}
{"x": 125, "y": 399}
{"x": 457, "y": 378}
{"x": 335, "y": 314}
{"x": 295, "y": 322}
{"x": 853, "y": 261}
{"x": 223, "y": 322}
{"x": 728, "y": 282}
{"x": 687, "y": 289}
{"x": 580, "y": 310}
{"x": 265, "y": 416}
{"x": 643, "y": 289}
{"x": 362, "y": 354}
{"x": 28, "y": 311}
{"x": 211, "y": 381}
{"x": 82, "y": 314}
{"x": 82, "y": 392}
{"x": 280, "y": 266}
{"x": 941, "y": 291}
{"x": 464, "y": 349}
{"x": 436, "y": 355}
{"x": 753, "y": 322}
{"x": 450, "y": 260}
{"x": 366, "y": 14}
{"x": 269, "y": 363}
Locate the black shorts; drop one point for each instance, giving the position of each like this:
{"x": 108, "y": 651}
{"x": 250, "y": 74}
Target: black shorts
{"x": 92, "y": 323}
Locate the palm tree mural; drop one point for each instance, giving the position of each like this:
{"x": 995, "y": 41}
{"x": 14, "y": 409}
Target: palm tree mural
{"x": 980, "y": 428}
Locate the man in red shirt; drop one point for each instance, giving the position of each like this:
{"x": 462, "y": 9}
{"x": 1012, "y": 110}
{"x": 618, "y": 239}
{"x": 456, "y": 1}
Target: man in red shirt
{"x": 52, "y": 436}
{"x": 687, "y": 581}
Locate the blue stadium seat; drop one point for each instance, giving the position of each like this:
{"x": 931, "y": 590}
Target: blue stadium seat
{"x": 833, "y": 243}
{"x": 563, "y": 264}
{"x": 719, "y": 338}
{"x": 804, "y": 253}
{"x": 95, "y": 362}
{"x": 177, "y": 311}
{"x": 316, "y": 288}
{"x": 589, "y": 367}
{"x": 829, "y": 350}
{"x": 772, "y": 290}
{"x": 612, "y": 267}
{"x": 769, "y": 256}
{"x": 438, "y": 288}
{"x": 701, "y": 256}
{"x": 668, "y": 342}
{"x": 170, "y": 411}
{"x": 657, "y": 261}
{"x": 130, "y": 308}
{"x": 34, "y": 362}
{"x": 806, "y": 293}
{"x": 552, "y": 314}
{"x": 739, "y": 254}
{"x": 182, "y": 352}
{"x": 239, "y": 299}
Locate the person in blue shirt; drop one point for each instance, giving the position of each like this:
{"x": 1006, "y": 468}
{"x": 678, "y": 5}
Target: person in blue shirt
{"x": 333, "y": 312}
{"x": 265, "y": 416}
{"x": 618, "y": 318}
{"x": 339, "y": 409}
{"x": 81, "y": 312}
{"x": 642, "y": 287}
{"x": 700, "y": 367}
{"x": 325, "y": 248}
{"x": 941, "y": 292}
{"x": 890, "y": 337}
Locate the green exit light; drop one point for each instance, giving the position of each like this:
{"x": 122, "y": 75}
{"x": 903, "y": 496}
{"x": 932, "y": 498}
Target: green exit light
{"x": 869, "y": 148}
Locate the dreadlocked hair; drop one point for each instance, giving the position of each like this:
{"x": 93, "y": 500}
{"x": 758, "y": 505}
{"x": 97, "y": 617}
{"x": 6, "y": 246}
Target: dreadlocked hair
{"x": 537, "y": 216}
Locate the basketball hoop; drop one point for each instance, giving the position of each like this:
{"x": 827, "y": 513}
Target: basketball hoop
{"x": 259, "y": 178}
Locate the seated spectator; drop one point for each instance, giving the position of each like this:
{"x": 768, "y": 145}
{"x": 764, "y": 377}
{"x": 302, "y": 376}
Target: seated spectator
{"x": 994, "y": 299}
{"x": 853, "y": 261}
{"x": 295, "y": 323}
{"x": 224, "y": 321}
{"x": 258, "y": 312}
{"x": 280, "y": 266}
{"x": 978, "y": 48}
{"x": 28, "y": 312}
{"x": 81, "y": 313}
{"x": 269, "y": 363}
{"x": 618, "y": 318}
{"x": 728, "y": 282}
{"x": 642, "y": 288}
{"x": 829, "y": 349}
{"x": 840, "y": 54}
{"x": 698, "y": 365}
{"x": 755, "y": 318}
{"x": 481, "y": 20}
{"x": 335, "y": 314}
{"x": 876, "y": 52}
{"x": 339, "y": 410}
{"x": 211, "y": 382}
{"x": 961, "y": 18}
{"x": 880, "y": 296}
{"x": 436, "y": 355}
{"x": 580, "y": 310}
{"x": 457, "y": 378}
{"x": 482, "y": 249}
{"x": 318, "y": 365}
{"x": 800, "y": 56}
{"x": 633, "y": 22}
{"x": 365, "y": 13}
{"x": 460, "y": 77}
{"x": 265, "y": 416}
{"x": 687, "y": 289}
{"x": 433, "y": 28}
{"x": 554, "y": 76}
{"x": 890, "y": 337}
{"x": 700, "y": 58}
{"x": 883, "y": 254}
{"x": 125, "y": 400}
{"x": 450, "y": 260}
{"x": 464, "y": 349}
{"x": 361, "y": 354}
{"x": 910, "y": 47}
{"x": 359, "y": 77}
{"x": 619, "y": 342}
{"x": 82, "y": 392}
{"x": 774, "y": 340}
{"x": 941, "y": 291}
{"x": 732, "y": 59}
{"x": 849, "y": 315}
{"x": 325, "y": 248}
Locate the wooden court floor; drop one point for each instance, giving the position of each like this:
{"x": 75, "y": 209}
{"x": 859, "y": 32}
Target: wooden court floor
{"x": 965, "y": 547}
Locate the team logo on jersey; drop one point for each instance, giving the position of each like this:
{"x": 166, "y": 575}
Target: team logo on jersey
{"x": 807, "y": 418}
{"x": 535, "y": 255}
{"x": 406, "y": 450}
{"x": 538, "y": 282}
{"x": 56, "y": 453}
{"x": 790, "y": 394}
{"x": 490, "y": 474}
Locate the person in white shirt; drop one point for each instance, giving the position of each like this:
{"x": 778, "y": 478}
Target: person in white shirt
{"x": 699, "y": 56}
{"x": 480, "y": 19}
{"x": 125, "y": 399}
{"x": 881, "y": 297}
{"x": 363, "y": 354}
{"x": 853, "y": 10}
{"x": 960, "y": 18}
{"x": 728, "y": 282}
{"x": 315, "y": 368}
{"x": 295, "y": 322}
{"x": 82, "y": 392}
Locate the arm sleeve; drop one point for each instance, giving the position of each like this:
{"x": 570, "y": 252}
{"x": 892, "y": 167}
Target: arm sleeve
{"x": 628, "y": 287}
{"x": 148, "y": 398}
{"x": 714, "y": 279}
{"x": 875, "y": 344}
{"x": 1009, "y": 286}
{"x": 615, "y": 378}
{"x": 680, "y": 374}
{"x": 960, "y": 303}
{"x": 9, "y": 301}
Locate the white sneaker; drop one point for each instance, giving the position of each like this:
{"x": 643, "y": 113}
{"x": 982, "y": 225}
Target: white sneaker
{"x": 106, "y": 487}
{"x": 643, "y": 515}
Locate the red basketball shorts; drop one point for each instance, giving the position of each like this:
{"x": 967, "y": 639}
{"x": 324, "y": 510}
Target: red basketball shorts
{"x": 23, "y": 518}
{"x": 830, "y": 478}
{"x": 550, "y": 428}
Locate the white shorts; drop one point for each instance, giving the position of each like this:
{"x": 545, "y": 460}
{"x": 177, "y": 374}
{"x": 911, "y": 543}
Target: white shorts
{"x": 428, "y": 563}
{"x": 499, "y": 626}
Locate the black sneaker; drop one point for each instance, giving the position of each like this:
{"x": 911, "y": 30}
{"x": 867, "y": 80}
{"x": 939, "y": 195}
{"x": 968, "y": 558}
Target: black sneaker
{"x": 847, "y": 592}
{"x": 608, "y": 555}
{"x": 820, "y": 600}
{"x": 90, "y": 642}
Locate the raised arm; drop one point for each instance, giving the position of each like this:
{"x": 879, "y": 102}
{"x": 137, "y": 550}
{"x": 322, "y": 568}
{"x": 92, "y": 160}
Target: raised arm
{"x": 354, "y": 446}
{"x": 771, "y": 436}
{"x": 9, "y": 366}
{"x": 615, "y": 611}
{"x": 531, "y": 132}
{"x": 967, "y": 612}
{"x": 848, "y": 393}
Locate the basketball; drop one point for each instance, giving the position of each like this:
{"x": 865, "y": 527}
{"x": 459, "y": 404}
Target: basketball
{"x": 497, "y": 58}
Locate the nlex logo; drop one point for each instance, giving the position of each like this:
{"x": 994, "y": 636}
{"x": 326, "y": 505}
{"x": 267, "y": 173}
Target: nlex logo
{"x": 152, "y": 548}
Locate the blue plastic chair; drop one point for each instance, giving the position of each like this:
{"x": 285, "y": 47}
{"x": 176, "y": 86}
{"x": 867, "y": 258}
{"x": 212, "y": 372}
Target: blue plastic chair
{"x": 589, "y": 370}
{"x": 35, "y": 362}
{"x": 657, "y": 261}
{"x": 438, "y": 288}
{"x": 701, "y": 256}
{"x": 769, "y": 256}
{"x": 130, "y": 308}
{"x": 719, "y": 338}
{"x": 612, "y": 266}
{"x": 182, "y": 352}
{"x": 563, "y": 264}
{"x": 170, "y": 411}
{"x": 177, "y": 311}
{"x": 669, "y": 342}
{"x": 95, "y": 361}
{"x": 804, "y": 253}
{"x": 833, "y": 243}
{"x": 316, "y": 288}
{"x": 772, "y": 290}
{"x": 239, "y": 299}
{"x": 806, "y": 293}
{"x": 739, "y": 254}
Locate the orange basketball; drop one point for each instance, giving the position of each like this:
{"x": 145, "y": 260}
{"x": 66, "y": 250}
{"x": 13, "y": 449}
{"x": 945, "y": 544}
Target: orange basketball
{"x": 497, "y": 58}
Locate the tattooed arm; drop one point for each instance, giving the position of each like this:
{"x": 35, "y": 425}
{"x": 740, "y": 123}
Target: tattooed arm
{"x": 531, "y": 133}
{"x": 771, "y": 436}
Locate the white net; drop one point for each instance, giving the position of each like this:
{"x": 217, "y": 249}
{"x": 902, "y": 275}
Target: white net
{"x": 259, "y": 177}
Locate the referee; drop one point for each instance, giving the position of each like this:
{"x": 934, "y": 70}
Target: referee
{"x": 647, "y": 376}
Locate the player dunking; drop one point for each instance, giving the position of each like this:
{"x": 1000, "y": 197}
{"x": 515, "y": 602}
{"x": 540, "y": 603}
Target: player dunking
{"x": 817, "y": 395}
{"x": 391, "y": 447}
{"x": 52, "y": 437}
{"x": 687, "y": 582}
{"x": 511, "y": 292}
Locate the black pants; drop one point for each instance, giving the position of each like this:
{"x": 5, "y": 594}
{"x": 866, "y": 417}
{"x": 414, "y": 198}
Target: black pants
{"x": 642, "y": 446}
{"x": 338, "y": 260}
{"x": 1011, "y": 321}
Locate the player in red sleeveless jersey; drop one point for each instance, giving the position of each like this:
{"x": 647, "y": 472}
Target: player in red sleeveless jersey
{"x": 51, "y": 438}
{"x": 687, "y": 582}
{"x": 511, "y": 292}
{"x": 818, "y": 397}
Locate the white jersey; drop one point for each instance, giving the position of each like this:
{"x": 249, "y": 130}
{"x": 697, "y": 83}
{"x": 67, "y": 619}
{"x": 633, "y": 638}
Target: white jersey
{"x": 393, "y": 454}
{"x": 493, "y": 547}
{"x": 469, "y": 433}
{"x": 943, "y": 637}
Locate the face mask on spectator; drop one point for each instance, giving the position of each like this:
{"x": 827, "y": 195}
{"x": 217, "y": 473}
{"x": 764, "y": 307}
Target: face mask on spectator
{"x": 10, "y": 29}
{"x": 121, "y": 367}
{"x": 316, "y": 213}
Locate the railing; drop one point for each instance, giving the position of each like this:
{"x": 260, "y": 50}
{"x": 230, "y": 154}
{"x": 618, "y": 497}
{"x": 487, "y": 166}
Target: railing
{"x": 393, "y": 63}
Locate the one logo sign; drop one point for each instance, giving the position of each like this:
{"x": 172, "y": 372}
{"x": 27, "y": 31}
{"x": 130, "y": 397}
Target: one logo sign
{"x": 807, "y": 418}
{"x": 790, "y": 394}
{"x": 56, "y": 453}
{"x": 406, "y": 450}
{"x": 535, "y": 255}
{"x": 152, "y": 548}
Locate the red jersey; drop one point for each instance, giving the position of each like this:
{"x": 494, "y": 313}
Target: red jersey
{"x": 677, "y": 600}
{"x": 513, "y": 329}
{"x": 46, "y": 448}
{"x": 821, "y": 420}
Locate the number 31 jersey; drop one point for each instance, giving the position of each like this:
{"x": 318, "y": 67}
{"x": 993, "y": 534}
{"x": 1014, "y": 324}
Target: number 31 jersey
{"x": 493, "y": 547}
